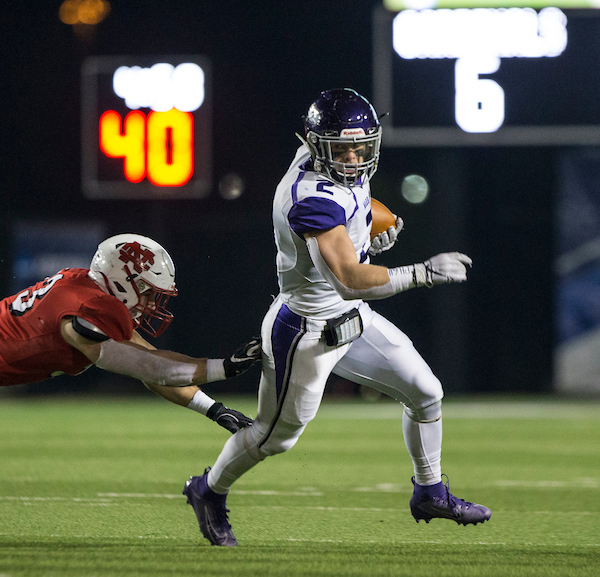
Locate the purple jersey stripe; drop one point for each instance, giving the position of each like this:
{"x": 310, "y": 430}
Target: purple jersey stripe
{"x": 355, "y": 205}
{"x": 295, "y": 187}
{"x": 286, "y": 328}
{"x": 314, "y": 213}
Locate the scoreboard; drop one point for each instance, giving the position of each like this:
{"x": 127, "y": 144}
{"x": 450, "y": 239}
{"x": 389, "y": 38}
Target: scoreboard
{"x": 511, "y": 76}
{"x": 146, "y": 127}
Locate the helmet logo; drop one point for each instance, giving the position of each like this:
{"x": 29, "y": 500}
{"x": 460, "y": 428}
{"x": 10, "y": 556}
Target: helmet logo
{"x": 140, "y": 258}
{"x": 352, "y": 132}
{"x": 314, "y": 115}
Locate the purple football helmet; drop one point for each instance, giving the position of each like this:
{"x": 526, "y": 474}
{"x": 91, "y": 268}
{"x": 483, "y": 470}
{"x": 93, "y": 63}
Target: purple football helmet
{"x": 343, "y": 135}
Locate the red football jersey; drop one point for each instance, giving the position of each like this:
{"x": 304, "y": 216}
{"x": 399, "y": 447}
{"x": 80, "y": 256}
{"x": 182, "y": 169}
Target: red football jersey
{"x": 31, "y": 346}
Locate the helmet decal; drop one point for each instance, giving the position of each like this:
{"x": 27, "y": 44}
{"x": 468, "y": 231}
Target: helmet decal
{"x": 140, "y": 258}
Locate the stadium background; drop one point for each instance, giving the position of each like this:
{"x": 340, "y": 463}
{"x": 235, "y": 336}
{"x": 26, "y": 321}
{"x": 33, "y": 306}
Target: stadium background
{"x": 269, "y": 61}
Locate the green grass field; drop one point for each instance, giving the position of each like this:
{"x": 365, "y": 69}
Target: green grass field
{"x": 93, "y": 488}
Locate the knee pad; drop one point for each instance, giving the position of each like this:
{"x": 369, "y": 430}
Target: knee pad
{"x": 428, "y": 414}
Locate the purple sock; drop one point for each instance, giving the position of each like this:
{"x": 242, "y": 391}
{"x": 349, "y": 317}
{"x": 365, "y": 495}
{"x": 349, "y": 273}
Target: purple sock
{"x": 209, "y": 494}
{"x": 425, "y": 492}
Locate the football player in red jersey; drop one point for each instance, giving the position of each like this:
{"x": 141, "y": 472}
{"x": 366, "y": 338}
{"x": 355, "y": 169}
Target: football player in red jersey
{"x": 80, "y": 317}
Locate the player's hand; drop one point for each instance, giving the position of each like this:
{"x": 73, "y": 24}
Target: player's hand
{"x": 385, "y": 240}
{"x": 243, "y": 358}
{"x": 446, "y": 267}
{"x": 229, "y": 419}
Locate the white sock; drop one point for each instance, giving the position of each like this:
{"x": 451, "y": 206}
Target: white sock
{"x": 424, "y": 444}
{"x": 231, "y": 464}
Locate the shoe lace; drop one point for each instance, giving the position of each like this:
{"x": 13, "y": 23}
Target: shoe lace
{"x": 453, "y": 501}
{"x": 221, "y": 515}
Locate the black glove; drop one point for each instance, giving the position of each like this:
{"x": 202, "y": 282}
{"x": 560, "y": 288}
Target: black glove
{"x": 229, "y": 419}
{"x": 243, "y": 358}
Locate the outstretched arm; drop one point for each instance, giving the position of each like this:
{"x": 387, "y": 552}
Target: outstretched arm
{"x": 173, "y": 376}
{"x": 178, "y": 395}
{"x": 334, "y": 257}
{"x": 193, "y": 398}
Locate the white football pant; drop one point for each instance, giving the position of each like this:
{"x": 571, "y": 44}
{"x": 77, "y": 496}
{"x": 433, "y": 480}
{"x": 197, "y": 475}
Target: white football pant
{"x": 295, "y": 367}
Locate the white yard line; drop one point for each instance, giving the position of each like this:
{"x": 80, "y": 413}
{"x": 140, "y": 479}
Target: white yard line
{"x": 583, "y": 483}
{"x": 590, "y": 483}
{"x": 108, "y": 499}
{"x": 42, "y": 499}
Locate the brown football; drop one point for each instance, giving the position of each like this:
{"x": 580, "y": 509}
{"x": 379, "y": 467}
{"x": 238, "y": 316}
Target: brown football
{"x": 383, "y": 218}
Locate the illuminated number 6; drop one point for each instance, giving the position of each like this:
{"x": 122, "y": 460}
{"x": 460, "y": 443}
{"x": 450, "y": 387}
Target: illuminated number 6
{"x": 479, "y": 101}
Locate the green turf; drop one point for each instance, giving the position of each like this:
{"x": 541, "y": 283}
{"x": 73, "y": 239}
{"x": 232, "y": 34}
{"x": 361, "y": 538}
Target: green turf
{"x": 93, "y": 488}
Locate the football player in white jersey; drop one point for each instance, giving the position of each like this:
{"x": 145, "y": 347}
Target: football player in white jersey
{"x": 320, "y": 323}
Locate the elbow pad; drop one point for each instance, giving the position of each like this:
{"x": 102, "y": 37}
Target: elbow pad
{"x": 401, "y": 278}
{"x": 141, "y": 364}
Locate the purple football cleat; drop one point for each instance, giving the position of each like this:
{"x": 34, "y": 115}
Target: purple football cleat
{"x": 210, "y": 511}
{"x": 436, "y": 501}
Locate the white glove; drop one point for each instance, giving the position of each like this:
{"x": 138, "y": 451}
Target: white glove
{"x": 385, "y": 240}
{"x": 443, "y": 268}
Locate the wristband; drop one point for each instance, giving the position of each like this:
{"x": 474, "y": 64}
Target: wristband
{"x": 201, "y": 403}
{"x": 215, "y": 370}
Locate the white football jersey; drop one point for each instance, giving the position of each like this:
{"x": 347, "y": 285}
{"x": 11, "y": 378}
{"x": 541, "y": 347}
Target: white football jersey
{"x": 307, "y": 201}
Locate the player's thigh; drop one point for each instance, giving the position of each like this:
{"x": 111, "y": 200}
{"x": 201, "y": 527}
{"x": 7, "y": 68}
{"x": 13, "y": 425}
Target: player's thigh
{"x": 385, "y": 359}
{"x": 296, "y": 365}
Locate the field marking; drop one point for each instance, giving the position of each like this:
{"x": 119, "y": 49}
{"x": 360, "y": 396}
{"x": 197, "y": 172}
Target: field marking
{"x": 402, "y": 509}
{"x": 141, "y": 495}
{"x": 384, "y": 488}
{"x": 269, "y": 493}
{"x": 115, "y": 497}
{"x": 281, "y": 493}
{"x": 404, "y": 542}
{"x": 305, "y": 540}
{"x": 582, "y": 483}
{"x": 76, "y": 499}
{"x": 449, "y": 543}
{"x": 105, "y": 499}
{"x": 323, "y": 508}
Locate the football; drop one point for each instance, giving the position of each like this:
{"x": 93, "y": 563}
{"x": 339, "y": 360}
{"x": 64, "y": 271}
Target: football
{"x": 383, "y": 218}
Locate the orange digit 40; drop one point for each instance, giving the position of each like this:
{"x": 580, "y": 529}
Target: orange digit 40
{"x": 159, "y": 147}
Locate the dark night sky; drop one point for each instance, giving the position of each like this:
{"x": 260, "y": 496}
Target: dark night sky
{"x": 270, "y": 59}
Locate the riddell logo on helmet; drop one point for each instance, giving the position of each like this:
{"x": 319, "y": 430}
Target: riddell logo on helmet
{"x": 141, "y": 258}
{"x": 352, "y": 132}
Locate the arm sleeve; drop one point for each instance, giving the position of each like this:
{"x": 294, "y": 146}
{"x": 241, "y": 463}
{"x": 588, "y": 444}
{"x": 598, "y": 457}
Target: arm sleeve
{"x": 314, "y": 213}
{"x": 150, "y": 368}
